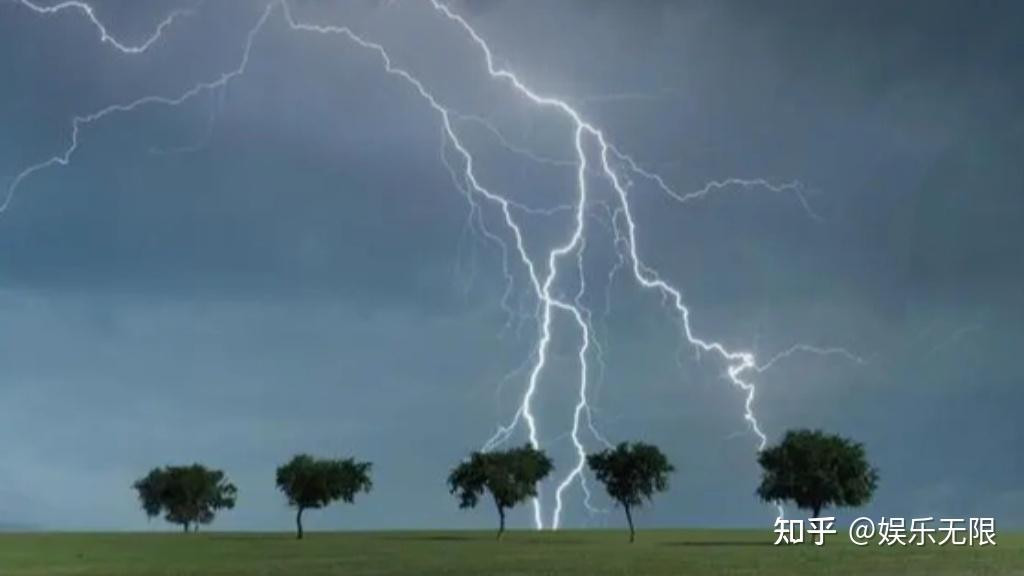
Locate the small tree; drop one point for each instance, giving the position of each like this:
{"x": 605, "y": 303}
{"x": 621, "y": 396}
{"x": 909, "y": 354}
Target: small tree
{"x": 631, "y": 473}
{"x": 815, "y": 470}
{"x": 186, "y": 495}
{"x": 511, "y": 476}
{"x": 310, "y": 482}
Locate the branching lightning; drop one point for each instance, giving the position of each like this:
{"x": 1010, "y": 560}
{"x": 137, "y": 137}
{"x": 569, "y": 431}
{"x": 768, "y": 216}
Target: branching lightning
{"x": 808, "y": 349}
{"x": 105, "y": 36}
{"x": 79, "y": 122}
{"x": 593, "y": 156}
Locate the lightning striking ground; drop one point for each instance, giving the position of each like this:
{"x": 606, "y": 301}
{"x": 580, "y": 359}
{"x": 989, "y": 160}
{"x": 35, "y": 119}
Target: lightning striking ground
{"x": 593, "y": 154}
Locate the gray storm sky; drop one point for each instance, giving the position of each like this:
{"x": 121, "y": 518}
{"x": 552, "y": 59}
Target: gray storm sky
{"x": 283, "y": 265}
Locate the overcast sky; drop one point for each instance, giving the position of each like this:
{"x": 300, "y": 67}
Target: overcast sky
{"x": 284, "y": 265}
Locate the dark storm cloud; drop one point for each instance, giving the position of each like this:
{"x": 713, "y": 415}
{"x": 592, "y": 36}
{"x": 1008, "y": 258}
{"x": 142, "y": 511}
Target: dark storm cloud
{"x": 303, "y": 281}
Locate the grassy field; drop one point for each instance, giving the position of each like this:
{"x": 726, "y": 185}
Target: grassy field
{"x": 476, "y": 553}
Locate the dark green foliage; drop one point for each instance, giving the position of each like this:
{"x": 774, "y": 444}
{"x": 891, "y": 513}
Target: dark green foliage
{"x": 310, "y": 482}
{"x": 186, "y": 495}
{"x": 511, "y": 476}
{"x": 815, "y": 470}
{"x": 631, "y": 473}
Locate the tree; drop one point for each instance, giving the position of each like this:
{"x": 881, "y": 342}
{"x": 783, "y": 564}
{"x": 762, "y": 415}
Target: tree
{"x": 814, "y": 470}
{"x": 631, "y": 473}
{"x": 511, "y": 476}
{"x": 186, "y": 495}
{"x": 310, "y": 482}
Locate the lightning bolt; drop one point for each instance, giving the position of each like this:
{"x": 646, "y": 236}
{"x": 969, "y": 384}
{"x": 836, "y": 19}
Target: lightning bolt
{"x": 593, "y": 154}
{"x": 808, "y": 349}
{"x": 105, "y": 36}
{"x": 738, "y": 362}
{"x": 80, "y": 122}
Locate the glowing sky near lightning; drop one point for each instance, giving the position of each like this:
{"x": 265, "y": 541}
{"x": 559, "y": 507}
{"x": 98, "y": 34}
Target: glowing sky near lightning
{"x": 275, "y": 245}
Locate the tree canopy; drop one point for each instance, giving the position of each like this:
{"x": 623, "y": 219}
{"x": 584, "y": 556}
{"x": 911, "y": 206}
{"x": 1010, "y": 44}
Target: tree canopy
{"x": 631, "y": 473}
{"x": 186, "y": 495}
{"x": 510, "y": 476}
{"x": 815, "y": 470}
{"x": 310, "y": 482}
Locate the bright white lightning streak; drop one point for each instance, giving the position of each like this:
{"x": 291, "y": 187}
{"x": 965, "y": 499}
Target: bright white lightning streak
{"x": 542, "y": 290}
{"x": 796, "y": 188}
{"x": 738, "y": 362}
{"x": 105, "y": 36}
{"x": 594, "y": 341}
{"x": 583, "y": 406}
{"x": 577, "y": 243}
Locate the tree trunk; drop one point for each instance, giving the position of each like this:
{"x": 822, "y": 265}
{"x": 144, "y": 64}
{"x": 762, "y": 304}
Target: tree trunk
{"x": 298, "y": 524}
{"x": 817, "y": 510}
{"x": 501, "y": 521}
{"x": 184, "y": 527}
{"x": 629, "y": 518}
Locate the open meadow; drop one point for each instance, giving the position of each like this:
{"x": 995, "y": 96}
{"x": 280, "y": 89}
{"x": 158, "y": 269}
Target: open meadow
{"x": 585, "y": 553}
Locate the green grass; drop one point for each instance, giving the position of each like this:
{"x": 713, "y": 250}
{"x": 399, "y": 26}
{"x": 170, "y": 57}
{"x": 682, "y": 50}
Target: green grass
{"x": 476, "y": 553}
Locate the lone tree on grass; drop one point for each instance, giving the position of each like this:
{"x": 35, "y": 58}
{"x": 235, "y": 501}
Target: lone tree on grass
{"x": 814, "y": 470}
{"x": 631, "y": 473}
{"x": 186, "y": 495}
{"x": 511, "y": 476}
{"x": 310, "y": 482}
